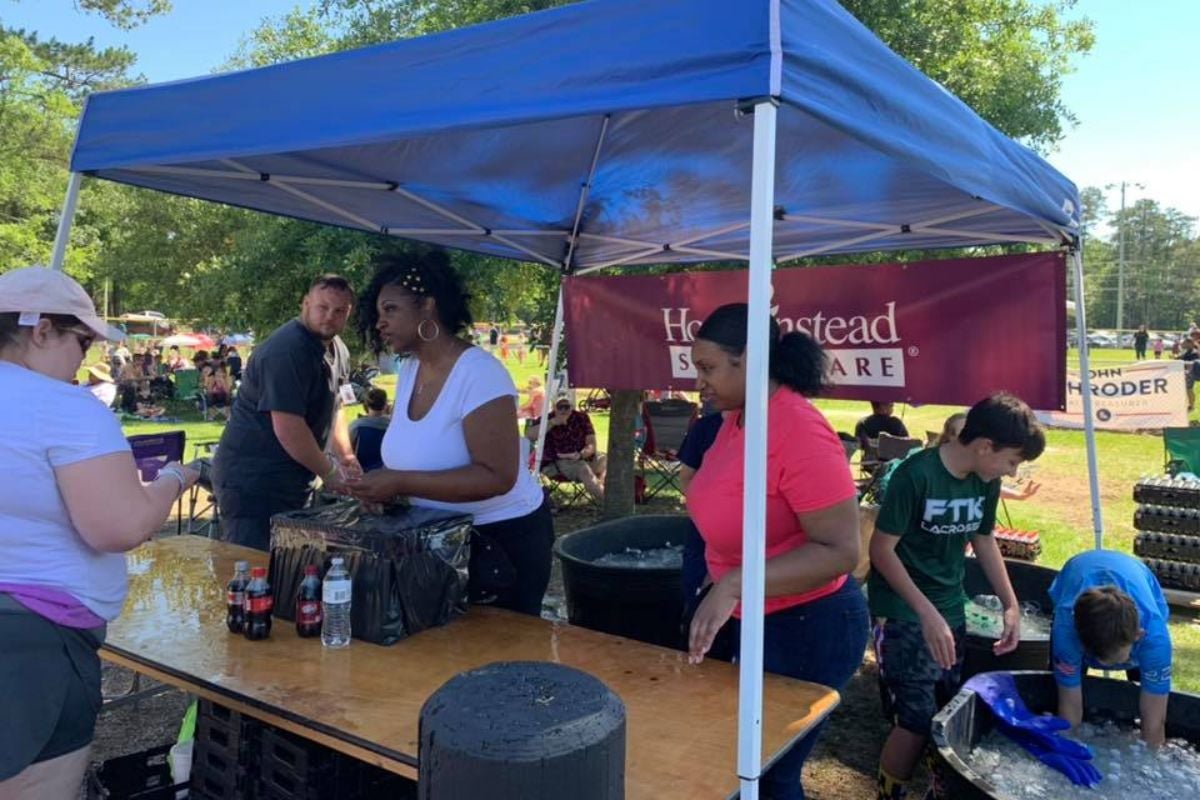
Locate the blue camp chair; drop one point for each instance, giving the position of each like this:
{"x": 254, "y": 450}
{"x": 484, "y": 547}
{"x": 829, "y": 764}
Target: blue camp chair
{"x": 152, "y": 452}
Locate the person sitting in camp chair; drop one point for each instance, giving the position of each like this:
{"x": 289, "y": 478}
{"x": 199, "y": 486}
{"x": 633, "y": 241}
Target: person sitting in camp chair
{"x": 880, "y": 420}
{"x": 218, "y": 387}
{"x": 570, "y": 449}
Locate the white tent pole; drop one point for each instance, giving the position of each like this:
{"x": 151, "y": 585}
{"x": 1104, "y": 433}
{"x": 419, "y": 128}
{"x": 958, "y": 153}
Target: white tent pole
{"x": 551, "y": 389}
{"x": 64, "y": 222}
{"x": 754, "y": 496}
{"x": 1085, "y": 386}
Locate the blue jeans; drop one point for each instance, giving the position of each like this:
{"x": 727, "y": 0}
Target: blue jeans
{"x": 821, "y": 642}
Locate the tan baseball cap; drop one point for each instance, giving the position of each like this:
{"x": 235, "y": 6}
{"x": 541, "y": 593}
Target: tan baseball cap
{"x": 38, "y": 290}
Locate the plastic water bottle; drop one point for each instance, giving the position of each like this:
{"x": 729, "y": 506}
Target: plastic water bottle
{"x": 335, "y": 605}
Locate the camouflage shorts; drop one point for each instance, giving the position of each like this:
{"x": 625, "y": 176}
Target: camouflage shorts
{"x": 912, "y": 687}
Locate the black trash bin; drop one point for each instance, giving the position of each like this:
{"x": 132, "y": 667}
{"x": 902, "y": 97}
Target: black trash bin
{"x": 965, "y": 720}
{"x": 1032, "y": 584}
{"x": 642, "y": 603}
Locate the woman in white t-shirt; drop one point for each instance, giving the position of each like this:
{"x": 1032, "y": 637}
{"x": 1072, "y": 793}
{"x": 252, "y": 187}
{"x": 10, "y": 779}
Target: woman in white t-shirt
{"x": 71, "y": 503}
{"x": 453, "y": 442}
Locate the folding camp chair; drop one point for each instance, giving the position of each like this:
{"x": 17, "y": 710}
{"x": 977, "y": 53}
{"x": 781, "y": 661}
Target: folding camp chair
{"x": 152, "y": 452}
{"x": 188, "y": 388}
{"x": 667, "y": 423}
{"x": 202, "y": 453}
{"x": 565, "y": 492}
{"x": 1181, "y": 450}
{"x": 891, "y": 447}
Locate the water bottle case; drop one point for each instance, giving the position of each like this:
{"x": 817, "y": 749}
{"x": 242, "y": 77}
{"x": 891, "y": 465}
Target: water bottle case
{"x": 408, "y": 567}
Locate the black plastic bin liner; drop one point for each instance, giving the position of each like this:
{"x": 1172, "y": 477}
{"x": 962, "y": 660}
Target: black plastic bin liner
{"x": 408, "y": 566}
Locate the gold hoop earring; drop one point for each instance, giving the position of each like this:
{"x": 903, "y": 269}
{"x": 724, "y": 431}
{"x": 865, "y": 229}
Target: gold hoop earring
{"x": 437, "y": 331}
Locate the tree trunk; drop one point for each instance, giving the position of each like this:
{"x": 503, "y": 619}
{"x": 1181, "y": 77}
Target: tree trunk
{"x": 618, "y": 483}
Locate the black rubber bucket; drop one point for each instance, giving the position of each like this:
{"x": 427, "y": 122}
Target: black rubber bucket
{"x": 1032, "y": 585}
{"x": 965, "y": 720}
{"x": 643, "y": 603}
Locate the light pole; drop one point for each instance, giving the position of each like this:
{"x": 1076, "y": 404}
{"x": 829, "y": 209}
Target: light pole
{"x": 1121, "y": 256}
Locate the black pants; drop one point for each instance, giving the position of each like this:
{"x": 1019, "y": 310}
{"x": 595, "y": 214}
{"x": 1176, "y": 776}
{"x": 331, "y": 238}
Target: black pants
{"x": 527, "y": 542}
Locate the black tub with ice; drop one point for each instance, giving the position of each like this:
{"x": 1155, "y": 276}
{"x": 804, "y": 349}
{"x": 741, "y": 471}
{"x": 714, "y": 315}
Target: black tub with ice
{"x": 966, "y": 720}
{"x": 1032, "y": 585}
{"x": 636, "y": 601}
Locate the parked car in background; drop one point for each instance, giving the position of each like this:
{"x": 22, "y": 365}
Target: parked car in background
{"x": 1101, "y": 340}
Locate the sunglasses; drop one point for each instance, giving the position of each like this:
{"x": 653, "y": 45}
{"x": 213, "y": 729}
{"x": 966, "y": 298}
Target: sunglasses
{"x": 85, "y": 338}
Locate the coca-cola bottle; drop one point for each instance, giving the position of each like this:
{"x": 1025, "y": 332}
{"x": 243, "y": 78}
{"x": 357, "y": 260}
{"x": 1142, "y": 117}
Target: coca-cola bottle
{"x": 308, "y": 604}
{"x": 259, "y": 605}
{"x": 235, "y": 617}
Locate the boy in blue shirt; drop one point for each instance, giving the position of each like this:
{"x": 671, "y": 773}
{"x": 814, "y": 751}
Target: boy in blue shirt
{"x": 1110, "y": 613}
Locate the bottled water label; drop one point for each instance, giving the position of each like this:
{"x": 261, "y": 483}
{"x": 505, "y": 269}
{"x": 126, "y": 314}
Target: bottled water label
{"x": 336, "y": 591}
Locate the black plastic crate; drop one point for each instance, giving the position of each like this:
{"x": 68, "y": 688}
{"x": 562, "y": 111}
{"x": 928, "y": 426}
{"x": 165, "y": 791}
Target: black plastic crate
{"x": 222, "y": 775}
{"x": 230, "y": 734}
{"x": 216, "y": 784}
{"x": 1168, "y": 546}
{"x": 1175, "y": 574}
{"x": 1167, "y": 519}
{"x": 140, "y": 776}
{"x": 1162, "y": 492}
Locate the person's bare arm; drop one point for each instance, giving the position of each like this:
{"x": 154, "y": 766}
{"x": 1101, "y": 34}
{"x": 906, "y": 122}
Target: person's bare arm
{"x": 110, "y": 507}
{"x": 686, "y": 474}
{"x": 1070, "y": 704}
{"x": 938, "y": 635}
{"x": 832, "y": 550}
{"x": 339, "y": 436}
{"x": 988, "y": 554}
{"x": 493, "y": 445}
{"x": 299, "y": 443}
{"x": 1153, "y": 708}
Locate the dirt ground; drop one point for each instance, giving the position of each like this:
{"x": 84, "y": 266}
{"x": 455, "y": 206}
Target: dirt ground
{"x": 842, "y": 766}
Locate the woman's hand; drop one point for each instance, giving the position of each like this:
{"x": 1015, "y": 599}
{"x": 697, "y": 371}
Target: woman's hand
{"x": 1011, "y": 637}
{"x": 714, "y": 611}
{"x": 376, "y": 486}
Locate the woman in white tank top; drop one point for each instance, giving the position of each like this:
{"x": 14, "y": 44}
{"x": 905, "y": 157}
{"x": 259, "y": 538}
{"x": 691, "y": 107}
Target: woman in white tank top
{"x": 453, "y": 442}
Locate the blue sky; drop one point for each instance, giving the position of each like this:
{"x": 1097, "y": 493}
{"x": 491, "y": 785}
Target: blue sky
{"x": 1134, "y": 95}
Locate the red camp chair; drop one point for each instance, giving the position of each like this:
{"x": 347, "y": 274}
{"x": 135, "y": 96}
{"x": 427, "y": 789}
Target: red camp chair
{"x": 667, "y": 423}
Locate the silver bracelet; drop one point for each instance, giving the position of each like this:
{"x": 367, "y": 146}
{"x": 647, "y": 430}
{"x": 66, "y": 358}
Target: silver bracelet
{"x": 177, "y": 475}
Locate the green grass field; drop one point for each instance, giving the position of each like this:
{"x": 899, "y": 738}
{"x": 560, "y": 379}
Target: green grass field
{"x": 1060, "y": 512}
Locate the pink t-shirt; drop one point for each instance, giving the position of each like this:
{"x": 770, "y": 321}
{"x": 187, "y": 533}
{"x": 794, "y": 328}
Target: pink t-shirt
{"x": 806, "y": 471}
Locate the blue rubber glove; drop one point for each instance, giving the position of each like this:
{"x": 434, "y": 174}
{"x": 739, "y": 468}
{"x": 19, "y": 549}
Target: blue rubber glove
{"x": 1054, "y": 751}
{"x": 999, "y": 691}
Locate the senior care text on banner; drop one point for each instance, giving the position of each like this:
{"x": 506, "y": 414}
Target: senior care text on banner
{"x": 947, "y": 331}
{"x": 1148, "y": 394}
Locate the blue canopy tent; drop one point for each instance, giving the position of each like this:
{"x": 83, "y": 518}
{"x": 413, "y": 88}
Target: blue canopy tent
{"x": 612, "y": 132}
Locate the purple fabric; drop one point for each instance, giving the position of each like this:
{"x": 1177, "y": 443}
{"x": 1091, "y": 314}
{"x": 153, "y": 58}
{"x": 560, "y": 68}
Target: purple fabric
{"x": 53, "y": 604}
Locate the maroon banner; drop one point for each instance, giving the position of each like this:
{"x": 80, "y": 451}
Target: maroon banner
{"x": 946, "y": 332}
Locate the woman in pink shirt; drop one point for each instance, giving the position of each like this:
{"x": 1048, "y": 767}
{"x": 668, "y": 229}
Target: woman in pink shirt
{"x": 816, "y": 618}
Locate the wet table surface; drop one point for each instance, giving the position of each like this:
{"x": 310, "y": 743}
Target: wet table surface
{"x": 365, "y": 700}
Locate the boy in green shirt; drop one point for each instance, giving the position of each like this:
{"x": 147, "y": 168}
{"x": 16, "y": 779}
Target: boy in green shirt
{"x": 937, "y": 501}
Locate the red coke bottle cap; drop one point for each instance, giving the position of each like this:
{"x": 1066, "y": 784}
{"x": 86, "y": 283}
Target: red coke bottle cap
{"x": 258, "y": 572}
{"x": 310, "y": 569}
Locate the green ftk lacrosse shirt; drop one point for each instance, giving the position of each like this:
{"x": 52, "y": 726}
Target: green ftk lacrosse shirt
{"x": 934, "y": 514}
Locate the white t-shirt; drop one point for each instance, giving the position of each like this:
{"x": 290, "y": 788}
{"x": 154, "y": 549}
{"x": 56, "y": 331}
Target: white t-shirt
{"x": 46, "y": 423}
{"x": 437, "y": 442}
{"x": 105, "y": 392}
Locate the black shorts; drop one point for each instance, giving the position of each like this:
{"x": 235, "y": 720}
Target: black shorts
{"x": 912, "y": 687}
{"x": 49, "y": 688}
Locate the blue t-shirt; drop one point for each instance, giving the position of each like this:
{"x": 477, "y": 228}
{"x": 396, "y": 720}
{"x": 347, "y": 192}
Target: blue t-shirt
{"x": 698, "y": 439}
{"x": 1151, "y": 653}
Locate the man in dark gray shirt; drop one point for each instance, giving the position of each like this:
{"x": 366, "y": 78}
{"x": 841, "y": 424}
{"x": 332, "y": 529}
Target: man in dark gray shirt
{"x": 285, "y": 414}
